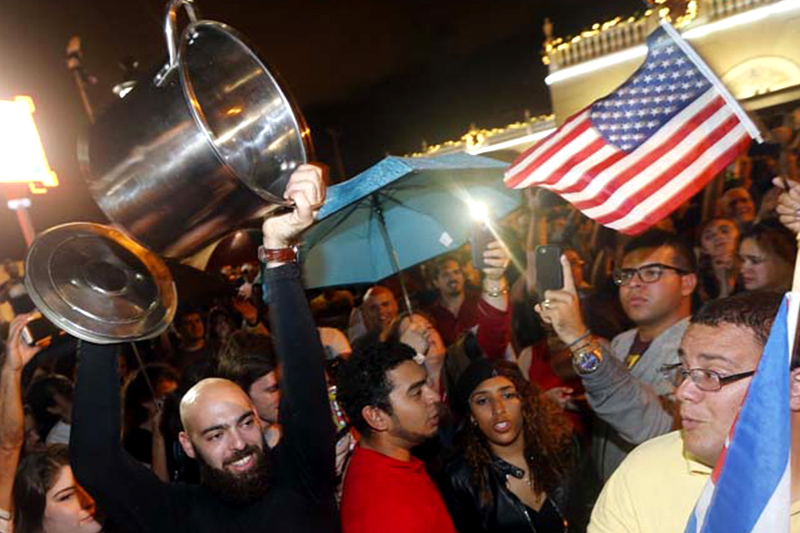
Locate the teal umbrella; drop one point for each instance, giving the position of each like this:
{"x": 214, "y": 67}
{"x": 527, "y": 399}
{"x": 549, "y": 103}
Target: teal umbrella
{"x": 399, "y": 213}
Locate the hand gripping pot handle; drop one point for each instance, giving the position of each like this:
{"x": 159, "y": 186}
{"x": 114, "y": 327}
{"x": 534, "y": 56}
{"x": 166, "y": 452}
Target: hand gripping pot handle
{"x": 172, "y": 34}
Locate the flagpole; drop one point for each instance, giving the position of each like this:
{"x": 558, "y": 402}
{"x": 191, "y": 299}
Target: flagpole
{"x": 751, "y": 128}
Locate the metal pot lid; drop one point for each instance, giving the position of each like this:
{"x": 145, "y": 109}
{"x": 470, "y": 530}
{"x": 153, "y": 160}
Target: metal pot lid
{"x": 98, "y": 284}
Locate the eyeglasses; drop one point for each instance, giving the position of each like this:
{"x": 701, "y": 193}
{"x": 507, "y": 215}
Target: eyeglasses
{"x": 647, "y": 273}
{"x": 706, "y": 380}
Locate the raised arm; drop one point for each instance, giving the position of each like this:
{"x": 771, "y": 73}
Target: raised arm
{"x": 124, "y": 489}
{"x": 308, "y": 442}
{"x": 494, "y": 311}
{"x": 629, "y": 405}
{"x": 12, "y": 417}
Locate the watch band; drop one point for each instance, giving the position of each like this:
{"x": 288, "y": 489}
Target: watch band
{"x": 278, "y": 255}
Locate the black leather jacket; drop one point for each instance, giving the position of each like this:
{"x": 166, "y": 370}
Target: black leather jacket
{"x": 504, "y": 514}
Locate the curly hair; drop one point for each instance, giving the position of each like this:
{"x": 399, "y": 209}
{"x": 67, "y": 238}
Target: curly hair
{"x": 363, "y": 380}
{"x": 547, "y": 434}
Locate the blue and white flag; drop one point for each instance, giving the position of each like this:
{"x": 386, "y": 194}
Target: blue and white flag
{"x": 750, "y": 488}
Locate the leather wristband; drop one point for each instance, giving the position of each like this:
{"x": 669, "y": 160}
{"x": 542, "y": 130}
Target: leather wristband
{"x": 277, "y": 255}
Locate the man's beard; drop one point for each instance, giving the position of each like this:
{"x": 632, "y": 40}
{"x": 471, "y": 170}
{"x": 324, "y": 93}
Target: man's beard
{"x": 237, "y": 489}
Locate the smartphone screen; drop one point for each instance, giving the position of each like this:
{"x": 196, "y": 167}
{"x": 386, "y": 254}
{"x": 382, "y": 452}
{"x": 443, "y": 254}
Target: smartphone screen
{"x": 480, "y": 237}
{"x": 39, "y": 330}
{"x": 549, "y": 275}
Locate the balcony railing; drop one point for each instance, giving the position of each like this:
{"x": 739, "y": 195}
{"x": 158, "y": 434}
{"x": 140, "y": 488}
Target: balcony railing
{"x": 620, "y": 34}
{"x": 717, "y": 9}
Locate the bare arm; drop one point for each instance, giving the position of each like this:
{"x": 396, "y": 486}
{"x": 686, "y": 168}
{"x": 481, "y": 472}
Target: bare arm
{"x": 12, "y": 416}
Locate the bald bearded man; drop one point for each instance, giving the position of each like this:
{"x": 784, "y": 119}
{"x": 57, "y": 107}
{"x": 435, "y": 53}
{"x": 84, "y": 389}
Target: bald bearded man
{"x": 245, "y": 487}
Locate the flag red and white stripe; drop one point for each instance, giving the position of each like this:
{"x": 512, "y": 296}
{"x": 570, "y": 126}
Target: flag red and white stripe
{"x": 628, "y": 186}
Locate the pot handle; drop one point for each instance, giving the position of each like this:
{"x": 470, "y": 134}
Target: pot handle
{"x": 172, "y": 34}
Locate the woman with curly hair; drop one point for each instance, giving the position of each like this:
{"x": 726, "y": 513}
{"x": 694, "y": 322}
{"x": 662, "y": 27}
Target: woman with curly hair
{"x": 512, "y": 473}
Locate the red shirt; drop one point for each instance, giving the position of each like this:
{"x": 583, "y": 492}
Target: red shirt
{"x": 385, "y": 495}
{"x": 494, "y": 326}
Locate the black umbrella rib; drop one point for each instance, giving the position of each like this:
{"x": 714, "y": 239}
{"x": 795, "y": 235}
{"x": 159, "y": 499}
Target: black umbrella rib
{"x": 387, "y": 199}
{"x": 342, "y": 217}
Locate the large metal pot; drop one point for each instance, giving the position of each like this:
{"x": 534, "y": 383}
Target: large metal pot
{"x": 202, "y": 144}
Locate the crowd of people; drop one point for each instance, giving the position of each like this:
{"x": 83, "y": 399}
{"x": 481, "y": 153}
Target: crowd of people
{"x": 486, "y": 406}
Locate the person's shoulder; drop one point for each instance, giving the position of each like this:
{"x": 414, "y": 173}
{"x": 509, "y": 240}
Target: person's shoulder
{"x": 457, "y": 472}
{"x": 662, "y": 453}
{"x": 623, "y": 339}
{"x": 677, "y": 330}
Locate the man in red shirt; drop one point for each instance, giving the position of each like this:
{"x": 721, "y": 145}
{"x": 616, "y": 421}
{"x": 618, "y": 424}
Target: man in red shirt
{"x": 389, "y": 399}
{"x": 458, "y": 309}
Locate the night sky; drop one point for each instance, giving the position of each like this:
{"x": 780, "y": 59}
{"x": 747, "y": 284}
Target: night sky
{"x": 380, "y": 75}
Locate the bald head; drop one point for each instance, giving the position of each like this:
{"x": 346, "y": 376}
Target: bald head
{"x": 380, "y": 308}
{"x": 203, "y": 403}
{"x": 221, "y": 431}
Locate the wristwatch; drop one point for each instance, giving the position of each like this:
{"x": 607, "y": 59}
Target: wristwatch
{"x": 280, "y": 255}
{"x": 588, "y": 361}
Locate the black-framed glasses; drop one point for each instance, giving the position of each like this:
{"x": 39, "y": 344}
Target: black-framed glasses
{"x": 706, "y": 380}
{"x": 647, "y": 273}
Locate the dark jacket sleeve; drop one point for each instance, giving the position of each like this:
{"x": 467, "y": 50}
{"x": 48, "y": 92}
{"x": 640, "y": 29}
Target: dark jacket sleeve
{"x": 124, "y": 489}
{"x": 459, "y": 495}
{"x": 307, "y": 457}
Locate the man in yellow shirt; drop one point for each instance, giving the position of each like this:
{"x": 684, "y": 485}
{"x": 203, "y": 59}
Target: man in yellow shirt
{"x": 656, "y": 487}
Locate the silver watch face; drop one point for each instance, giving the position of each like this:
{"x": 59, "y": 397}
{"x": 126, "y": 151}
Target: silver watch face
{"x": 587, "y": 362}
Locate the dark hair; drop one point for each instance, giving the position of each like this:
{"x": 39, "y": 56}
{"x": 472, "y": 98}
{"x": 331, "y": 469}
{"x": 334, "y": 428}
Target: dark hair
{"x": 363, "y": 380}
{"x": 187, "y": 310}
{"x": 754, "y": 310}
{"x": 212, "y": 317}
{"x": 40, "y": 397}
{"x": 435, "y": 266}
{"x": 245, "y": 358}
{"x": 707, "y": 222}
{"x": 656, "y": 238}
{"x": 36, "y": 474}
{"x": 392, "y": 332}
{"x": 772, "y": 237}
{"x": 137, "y": 393}
{"x": 547, "y": 434}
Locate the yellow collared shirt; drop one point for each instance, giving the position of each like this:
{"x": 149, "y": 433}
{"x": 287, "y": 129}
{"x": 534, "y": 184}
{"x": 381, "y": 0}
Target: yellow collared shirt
{"x": 654, "y": 490}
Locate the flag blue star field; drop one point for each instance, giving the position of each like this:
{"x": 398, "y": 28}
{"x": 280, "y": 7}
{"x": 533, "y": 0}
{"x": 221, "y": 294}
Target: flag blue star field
{"x": 632, "y": 157}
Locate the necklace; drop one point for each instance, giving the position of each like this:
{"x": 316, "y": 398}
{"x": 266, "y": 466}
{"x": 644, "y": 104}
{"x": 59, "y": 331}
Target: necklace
{"x": 523, "y": 476}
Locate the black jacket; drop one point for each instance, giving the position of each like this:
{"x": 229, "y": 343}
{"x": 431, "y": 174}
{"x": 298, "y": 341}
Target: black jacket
{"x": 505, "y": 513}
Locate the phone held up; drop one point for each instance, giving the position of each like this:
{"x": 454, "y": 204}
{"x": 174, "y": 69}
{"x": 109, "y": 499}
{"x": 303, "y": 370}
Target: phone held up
{"x": 549, "y": 275}
{"x": 39, "y": 331}
{"x": 480, "y": 237}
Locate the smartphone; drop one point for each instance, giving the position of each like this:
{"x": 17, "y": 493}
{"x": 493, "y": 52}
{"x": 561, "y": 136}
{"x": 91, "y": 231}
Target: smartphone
{"x": 549, "y": 275}
{"x": 480, "y": 237}
{"x": 39, "y": 330}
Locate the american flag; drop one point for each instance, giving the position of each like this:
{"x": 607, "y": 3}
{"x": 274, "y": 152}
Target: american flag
{"x": 632, "y": 157}
{"x": 750, "y": 488}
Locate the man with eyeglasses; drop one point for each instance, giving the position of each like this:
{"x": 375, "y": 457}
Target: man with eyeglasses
{"x": 655, "y": 489}
{"x": 624, "y": 384}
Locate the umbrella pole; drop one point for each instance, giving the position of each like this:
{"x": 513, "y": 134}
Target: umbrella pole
{"x": 392, "y": 252}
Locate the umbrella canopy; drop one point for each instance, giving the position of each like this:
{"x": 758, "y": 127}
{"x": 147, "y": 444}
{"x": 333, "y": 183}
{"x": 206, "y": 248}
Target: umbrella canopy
{"x": 398, "y": 213}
